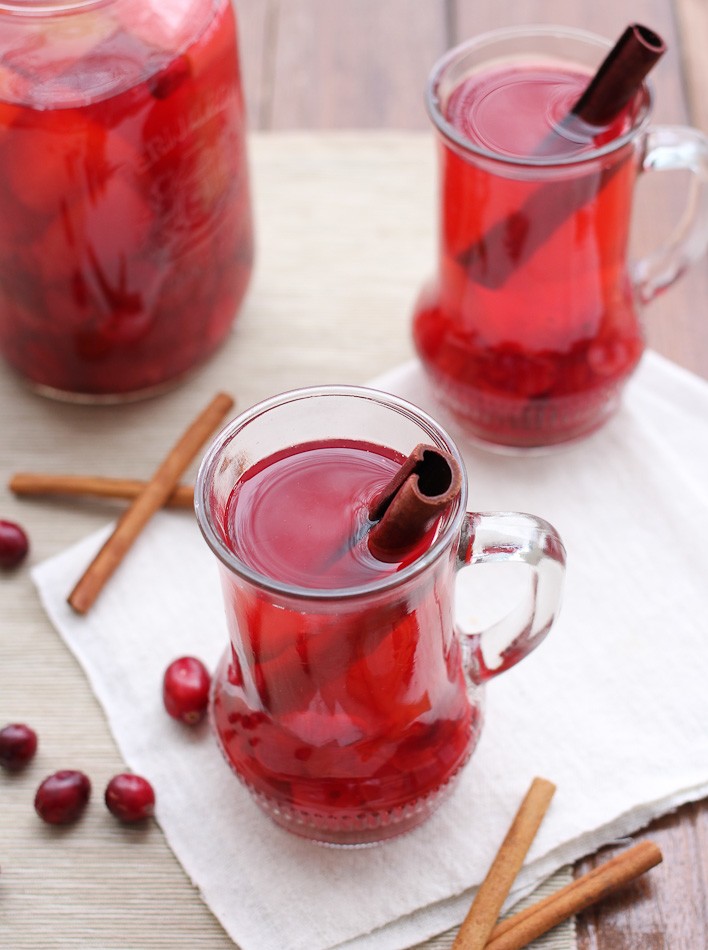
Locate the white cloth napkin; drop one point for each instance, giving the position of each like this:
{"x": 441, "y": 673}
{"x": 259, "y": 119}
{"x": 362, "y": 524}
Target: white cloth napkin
{"x": 613, "y": 707}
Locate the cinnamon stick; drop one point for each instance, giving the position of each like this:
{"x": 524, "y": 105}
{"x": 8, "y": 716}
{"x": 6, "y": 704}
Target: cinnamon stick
{"x": 519, "y": 930}
{"x": 35, "y": 484}
{"x": 493, "y": 891}
{"x": 406, "y": 509}
{"x": 619, "y": 76}
{"x": 151, "y": 499}
{"x": 509, "y": 243}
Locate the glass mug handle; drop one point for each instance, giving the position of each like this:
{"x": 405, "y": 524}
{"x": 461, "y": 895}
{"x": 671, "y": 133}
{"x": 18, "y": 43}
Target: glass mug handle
{"x": 676, "y": 148}
{"x": 511, "y": 536}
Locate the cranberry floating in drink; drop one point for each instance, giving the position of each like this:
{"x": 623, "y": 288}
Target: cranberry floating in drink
{"x": 347, "y": 700}
{"x": 125, "y": 219}
{"x": 532, "y": 326}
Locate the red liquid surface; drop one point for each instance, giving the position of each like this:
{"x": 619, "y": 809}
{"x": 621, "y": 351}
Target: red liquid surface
{"x": 125, "y": 232}
{"x": 346, "y": 714}
{"x": 531, "y": 330}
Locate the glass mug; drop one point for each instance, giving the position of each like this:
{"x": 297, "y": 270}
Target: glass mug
{"x": 347, "y": 700}
{"x": 125, "y": 219}
{"x": 532, "y": 325}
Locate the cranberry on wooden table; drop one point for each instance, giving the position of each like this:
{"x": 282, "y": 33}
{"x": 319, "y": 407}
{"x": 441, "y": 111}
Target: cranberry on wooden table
{"x": 14, "y": 544}
{"x": 185, "y": 689}
{"x": 62, "y": 797}
{"x": 130, "y": 797}
{"x": 18, "y": 744}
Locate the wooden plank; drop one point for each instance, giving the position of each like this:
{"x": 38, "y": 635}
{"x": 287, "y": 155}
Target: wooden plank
{"x": 605, "y": 19}
{"x": 692, "y": 21}
{"x": 339, "y": 64}
{"x": 667, "y": 908}
{"x": 254, "y": 21}
{"x": 692, "y": 33}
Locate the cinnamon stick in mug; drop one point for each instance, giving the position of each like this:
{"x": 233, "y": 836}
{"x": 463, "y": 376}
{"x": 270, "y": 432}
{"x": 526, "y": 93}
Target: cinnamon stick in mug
{"x": 147, "y": 503}
{"x": 509, "y": 243}
{"x": 408, "y": 506}
{"x": 619, "y": 76}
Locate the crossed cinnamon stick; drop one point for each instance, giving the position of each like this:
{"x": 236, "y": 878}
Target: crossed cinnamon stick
{"x": 479, "y": 930}
{"x": 151, "y": 497}
{"x": 37, "y": 484}
{"x": 520, "y": 929}
{"x": 146, "y": 498}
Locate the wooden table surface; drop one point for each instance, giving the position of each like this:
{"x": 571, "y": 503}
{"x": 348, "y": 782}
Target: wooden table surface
{"x": 338, "y": 64}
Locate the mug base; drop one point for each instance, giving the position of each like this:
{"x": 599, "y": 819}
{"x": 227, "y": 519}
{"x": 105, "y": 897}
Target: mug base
{"x": 106, "y": 399}
{"x": 499, "y": 426}
{"x": 343, "y": 829}
{"x": 92, "y": 397}
{"x": 88, "y": 398}
{"x": 359, "y": 831}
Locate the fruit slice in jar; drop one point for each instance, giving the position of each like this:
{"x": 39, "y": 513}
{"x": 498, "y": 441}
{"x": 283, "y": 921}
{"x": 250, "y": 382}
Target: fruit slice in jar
{"x": 167, "y": 26}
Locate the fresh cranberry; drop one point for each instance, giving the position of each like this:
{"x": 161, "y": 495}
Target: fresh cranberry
{"x": 62, "y": 797}
{"x": 13, "y": 544}
{"x": 18, "y": 744}
{"x": 130, "y": 797}
{"x": 185, "y": 689}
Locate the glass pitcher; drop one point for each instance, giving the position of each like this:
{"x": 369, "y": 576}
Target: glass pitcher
{"x": 125, "y": 219}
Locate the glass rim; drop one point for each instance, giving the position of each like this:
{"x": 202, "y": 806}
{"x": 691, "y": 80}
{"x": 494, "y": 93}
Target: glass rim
{"x": 31, "y": 8}
{"x": 449, "y": 132}
{"x": 391, "y": 581}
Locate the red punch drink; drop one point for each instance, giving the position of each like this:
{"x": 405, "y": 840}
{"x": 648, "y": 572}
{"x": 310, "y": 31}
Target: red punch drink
{"x": 125, "y": 221}
{"x": 348, "y": 700}
{"x": 531, "y": 328}
{"x": 338, "y": 711}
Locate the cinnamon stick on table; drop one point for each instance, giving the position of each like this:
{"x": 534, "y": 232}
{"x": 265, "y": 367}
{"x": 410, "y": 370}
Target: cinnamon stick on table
{"x": 34, "y": 484}
{"x": 493, "y": 891}
{"x": 519, "y": 930}
{"x": 151, "y": 499}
